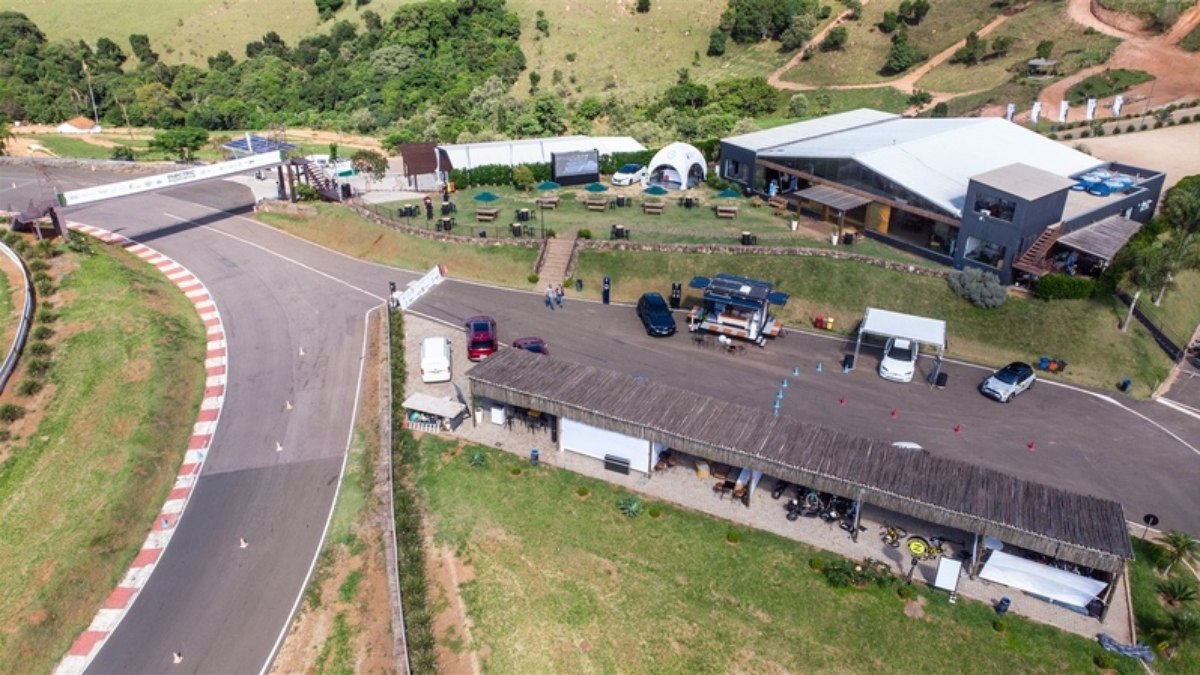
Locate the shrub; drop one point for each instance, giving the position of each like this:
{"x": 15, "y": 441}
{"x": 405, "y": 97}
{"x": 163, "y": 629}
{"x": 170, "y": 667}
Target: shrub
{"x": 585, "y": 233}
{"x": 38, "y": 367}
{"x": 630, "y": 506}
{"x": 5, "y": 435}
{"x": 38, "y": 266}
{"x": 906, "y": 592}
{"x": 583, "y": 491}
{"x": 478, "y": 459}
{"x": 29, "y": 387}
{"x": 999, "y": 626}
{"x": 981, "y": 288}
{"x": 1129, "y": 130}
{"x": 516, "y": 471}
{"x": 11, "y": 412}
{"x": 816, "y": 564}
{"x": 306, "y": 192}
{"x": 1063, "y": 287}
{"x": 1105, "y": 661}
{"x": 42, "y": 333}
{"x": 733, "y": 536}
{"x": 40, "y": 348}
{"x": 1176, "y": 591}
{"x": 46, "y": 315}
{"x": 655, "y": 511}
{"x": 44, "y": 286}
{"x": 533, "y": 278}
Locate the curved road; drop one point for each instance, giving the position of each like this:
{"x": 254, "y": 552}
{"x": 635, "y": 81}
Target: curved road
{"x": 224, "y": 608}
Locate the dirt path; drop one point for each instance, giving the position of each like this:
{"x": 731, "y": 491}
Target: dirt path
{"x": 1184, "y": 25}
{"x": 774, "y": 78}
{"x": 1080, "y": 11}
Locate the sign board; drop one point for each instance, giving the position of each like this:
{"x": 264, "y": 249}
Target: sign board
{"x": 403, "y": 299}
{"x": 168, "y": 180}
{"x": 947, "y": 574}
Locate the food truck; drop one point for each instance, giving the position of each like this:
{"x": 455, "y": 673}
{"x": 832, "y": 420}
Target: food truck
{"x": 737, "y": 307}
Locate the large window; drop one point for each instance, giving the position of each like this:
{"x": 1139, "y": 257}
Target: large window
{"x": 984, "y": 251}
{"x": 1002, "y": 209}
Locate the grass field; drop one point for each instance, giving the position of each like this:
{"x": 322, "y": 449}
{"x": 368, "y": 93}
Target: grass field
{"x": 1191, "y": 41}
{"x": 1179, "y": 313}
{"x": 1074, "y": 49}
{"x": 860, "y": 62}
{"x": 1150, "y": 613}
{"x": 564, "y": 584}
{"x": 1106, "y": 84}
{"x": 78, "y": 494}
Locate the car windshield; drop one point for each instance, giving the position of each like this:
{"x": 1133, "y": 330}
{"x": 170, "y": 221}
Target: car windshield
{"x": 479, "y": 327}
{"x": 629, "y": 168}
{"x": 655, "y": 303}
{"x": 900, "y": 353}
{"x": 1007, "y": 375}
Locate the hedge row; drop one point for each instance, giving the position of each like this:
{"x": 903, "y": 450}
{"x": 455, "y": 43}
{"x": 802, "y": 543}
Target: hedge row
{"x": 1063, "y": 287}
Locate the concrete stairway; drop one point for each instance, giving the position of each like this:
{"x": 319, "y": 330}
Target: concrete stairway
{"x": 555, "y": 258}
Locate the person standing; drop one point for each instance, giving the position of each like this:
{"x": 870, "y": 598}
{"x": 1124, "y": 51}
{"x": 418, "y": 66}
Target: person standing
{"x": 559, "y": 295}
{"x": 550, "y": 297}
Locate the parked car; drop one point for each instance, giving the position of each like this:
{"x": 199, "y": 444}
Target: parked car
{"x": 655, "y": 315}
{"x": 1009, "y": 381}
{"x": 629, "y": 174}
{"x": 899, "y": 362}
{"x": 435, "y": 359}
{"x": 481, "y": 337}
{"x": 532, "y": 344}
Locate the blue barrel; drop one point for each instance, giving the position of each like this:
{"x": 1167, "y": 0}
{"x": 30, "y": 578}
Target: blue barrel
{"x": 1002, "y": 606}
{"x": 533, "y": 456}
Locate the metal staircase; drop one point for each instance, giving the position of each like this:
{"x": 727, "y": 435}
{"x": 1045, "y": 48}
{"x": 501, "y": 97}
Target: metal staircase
{"x": 316, "y": 177}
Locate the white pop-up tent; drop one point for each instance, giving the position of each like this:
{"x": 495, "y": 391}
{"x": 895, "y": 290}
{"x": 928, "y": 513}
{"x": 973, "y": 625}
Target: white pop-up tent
{"x": 888, "y": 324}
{"x": 678, "y": 166}
{"x": 1058, "y": 586}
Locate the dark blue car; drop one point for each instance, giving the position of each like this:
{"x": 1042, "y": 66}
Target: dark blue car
{"x": 655, "y": 315}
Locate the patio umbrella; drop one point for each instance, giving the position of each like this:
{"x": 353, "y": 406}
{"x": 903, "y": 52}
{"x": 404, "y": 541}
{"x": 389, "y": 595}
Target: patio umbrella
{"x": 486, "y": 196}
{"x": 596, "y": 187}
{"x": 547, "y": 185}
{"x": 729, "y": 193}
{"x": 656, "y": 190}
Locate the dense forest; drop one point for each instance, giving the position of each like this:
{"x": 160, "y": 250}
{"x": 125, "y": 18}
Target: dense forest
{"x": 437, "y": 70}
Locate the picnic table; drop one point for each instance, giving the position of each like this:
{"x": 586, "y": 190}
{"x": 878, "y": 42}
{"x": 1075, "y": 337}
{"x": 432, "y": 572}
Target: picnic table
{"x": 596, "y": 204}
{"x": 486, "y": 215}
{"x": 727, "y": 210}
{"x": 654, "y": 208}
{"x": 547, "y": 202}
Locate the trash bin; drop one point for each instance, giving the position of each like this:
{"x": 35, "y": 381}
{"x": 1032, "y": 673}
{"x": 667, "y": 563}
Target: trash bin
{"x": 676, "y": 294}
{"x": 347, "y": 191}
{"x": 579, "y": 285}
{"x": 747, "y": 238}
{"x": 848, "y": 362}
{"x": 533, "y": 456}
{"x": 942, "y": 378}
{"x": 1125, "y": 385}
{"x": 829, "y": 323}
{"x": 605, "y": 291}
{"x": 1044, "y": 363}
{"x": 1002, "y": 606}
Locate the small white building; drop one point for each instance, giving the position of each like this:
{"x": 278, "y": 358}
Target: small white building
{"x": 79, "y": 125}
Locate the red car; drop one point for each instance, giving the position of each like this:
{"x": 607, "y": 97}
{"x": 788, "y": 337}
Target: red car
{"x": 532, "y": 344}
{"x": 481, "y": 337}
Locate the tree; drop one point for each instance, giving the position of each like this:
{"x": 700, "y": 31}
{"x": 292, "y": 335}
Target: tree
{"x": 182, "y": 142}
{"x": 327, "y": 8}
{"x": 798, "y": 105}
{"x": 1183, "y": 629}
{"x": 889, "y": 23}
{"x": 18, "y": 35}
{"x": 1181, "y": 206}
{"x": 122, "y": 153}
{"x": 1045, "y": 48}
{"x": 140, "y": 44}
{"x": 222, "y": 61}
{"x": 643, "y": 6}
{"x": 903, "y": 55}
{"x": 920, "y": 98}
{"x": 971, "y": 51}
{"x": 1180, "y": 547}
{"x": 1002, "y": 44}
{"x": 716, "y": 42}
{"x": 369, "y": 163}
{"x": 523, "y": 177}
{"x": 6, "y": 135}
{"x": 835, "y": 39}
{"x": 798, "y": 33}
{"x": 1149, "y": 269}
{"x": 542, "y": 24}
{"x": 940, "y": 110}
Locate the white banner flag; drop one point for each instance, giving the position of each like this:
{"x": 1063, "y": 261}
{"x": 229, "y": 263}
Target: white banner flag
{"x": 1062, "y": 111}
{"x": 1012, "y": 108}
{"x": 1117, "y": 103}
{"x": 1033, "y": 112}
{"x": 1090, "y": 113}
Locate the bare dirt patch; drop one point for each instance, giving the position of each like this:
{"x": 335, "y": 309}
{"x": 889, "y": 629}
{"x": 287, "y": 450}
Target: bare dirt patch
{"x": 455, "y": 651}
{"x": 915, "y": 609}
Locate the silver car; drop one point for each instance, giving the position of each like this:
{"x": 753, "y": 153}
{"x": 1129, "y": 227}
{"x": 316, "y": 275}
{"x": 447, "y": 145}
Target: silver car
{"x": 1009, "y": 381}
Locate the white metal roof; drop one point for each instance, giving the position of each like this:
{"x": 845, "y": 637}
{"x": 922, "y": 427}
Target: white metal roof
{"x": 533, "y": 150}
{"x": 430, "y": 405}
{"x": 894, "y": 324}
{"x": 820, "y": 126}
{"x": 935, "y": 158}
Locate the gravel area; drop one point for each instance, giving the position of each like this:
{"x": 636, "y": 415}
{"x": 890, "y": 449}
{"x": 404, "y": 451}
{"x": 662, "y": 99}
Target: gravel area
{"x": 681, "y": 485}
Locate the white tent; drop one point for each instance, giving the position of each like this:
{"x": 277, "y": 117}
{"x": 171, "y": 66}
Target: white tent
{"x": 678, "y": 166}
{"x": 888, "y": 324}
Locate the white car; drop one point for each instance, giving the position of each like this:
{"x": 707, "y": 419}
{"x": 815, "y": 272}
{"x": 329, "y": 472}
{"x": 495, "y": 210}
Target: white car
{"x": 629, "y": 174}
{"x": 435, "y": 359}
{"x": 899, "y": 362}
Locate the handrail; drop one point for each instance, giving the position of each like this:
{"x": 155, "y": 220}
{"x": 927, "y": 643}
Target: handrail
{"x": 399, "y": 629}
{"x": 18, "y": 343}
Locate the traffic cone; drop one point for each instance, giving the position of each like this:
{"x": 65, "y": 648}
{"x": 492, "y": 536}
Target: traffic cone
{"x": 895, "y": 413}
{"x": 958, "y": 430}
{"x": 1032, "y": 446}
{"x": 820, "y": 366}
{"x": 842, "y": 401}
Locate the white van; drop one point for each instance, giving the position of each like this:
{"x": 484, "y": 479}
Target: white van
{"x": 435, "y": 359}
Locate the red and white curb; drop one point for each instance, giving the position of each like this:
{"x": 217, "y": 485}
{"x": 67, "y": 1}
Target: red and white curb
{"x": 87, "y": 645}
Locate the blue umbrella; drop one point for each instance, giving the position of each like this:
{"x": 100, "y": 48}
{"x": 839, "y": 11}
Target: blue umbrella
{"x": 596, "y": 187}
{"x": 729, "y": 193}
{"x": 548, "y": 185}
{"x": 657, "y": 190}
{"x": 486, "y": 196}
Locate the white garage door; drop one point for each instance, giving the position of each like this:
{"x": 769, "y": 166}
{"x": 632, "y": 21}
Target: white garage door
{"x": 595, "y": 442}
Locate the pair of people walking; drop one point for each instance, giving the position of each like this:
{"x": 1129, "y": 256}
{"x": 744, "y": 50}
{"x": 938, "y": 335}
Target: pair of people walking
{"x": 554, "y": 296}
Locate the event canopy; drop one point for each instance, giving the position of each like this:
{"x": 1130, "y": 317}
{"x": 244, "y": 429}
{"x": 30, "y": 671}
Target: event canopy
{"x": 1057, "y": 586}
{"x": 678, "y": 166}
{"x": 888, "y": 324}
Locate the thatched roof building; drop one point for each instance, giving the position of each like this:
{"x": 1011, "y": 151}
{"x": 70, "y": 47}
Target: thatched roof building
{"x": 1085, "y": 530}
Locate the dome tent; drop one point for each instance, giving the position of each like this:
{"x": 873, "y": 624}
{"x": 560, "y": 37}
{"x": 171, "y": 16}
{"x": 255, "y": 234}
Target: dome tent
{"x": 677, "y": 166}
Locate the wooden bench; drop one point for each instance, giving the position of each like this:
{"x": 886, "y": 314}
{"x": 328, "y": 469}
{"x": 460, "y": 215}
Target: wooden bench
{"x": 486, "y": 215}
{"x": 547, "y": 202}
{"x": 654, "y": 208}
{"x": 596, "y": 204}
{"x": 779, "y": 203}
{"x": 727, "y": 210}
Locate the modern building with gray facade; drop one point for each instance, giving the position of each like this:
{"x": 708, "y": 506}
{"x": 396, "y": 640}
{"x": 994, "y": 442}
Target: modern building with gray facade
{"x": 980, "y": 192}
